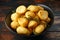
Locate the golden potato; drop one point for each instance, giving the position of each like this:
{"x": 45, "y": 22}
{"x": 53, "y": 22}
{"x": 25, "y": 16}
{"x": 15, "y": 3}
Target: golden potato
{"x": 43, "y": 23}
{"x": 14, "y": 24}
{"x": 32, "y": 24}
{"x": 33, "y": 8}
{"x": 29, "y": 14}
{"x": 43, "y": 14}
{"x": 48, "y": 20}
{"x": 41, "y": 8}
{"x": 36, "y": 18}
{"x": 21, "y": 9}
{"x": 39, "y": 29}
{"x": 23, "y": 22}
{"x": 22, "y": 30}
{"x": 14, "y": 16}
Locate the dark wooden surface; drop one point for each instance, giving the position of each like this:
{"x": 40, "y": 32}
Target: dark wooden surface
{"x": 52, "y": 34}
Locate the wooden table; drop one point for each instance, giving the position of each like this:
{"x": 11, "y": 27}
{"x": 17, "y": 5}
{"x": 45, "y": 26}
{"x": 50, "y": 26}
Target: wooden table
{"x": 52, "y": 34}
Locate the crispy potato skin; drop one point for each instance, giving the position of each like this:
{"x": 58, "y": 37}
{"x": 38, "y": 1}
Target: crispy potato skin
{"x": 41, "y": 8}
{"x": 21, "y": 9}
{"x": 14, "y": 16}
{"x": 39, "y": 29}
{"x": 14, "y": 24}
{"x": 33, "y": 8}
{"x": 44, "y": 23}
{"x": 29, "y": 14}
{"x": 37, "y": 19}
{"x": 23, "y": 22}
{"x": 48, "y": 20}
{"x": 43, "y": 14}
{"x": 32, "y": 24}
{"x": 22, "y": 30}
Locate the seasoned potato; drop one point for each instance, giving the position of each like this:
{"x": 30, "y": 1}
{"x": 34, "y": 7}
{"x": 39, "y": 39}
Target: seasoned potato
{"x": 32, "y": 24}
{"x": 36, "y": 18}
{"x": 21, "y": 9}
{"x": 23, "y": 22}
{"x": 40, "y": 28}
{"x": 48, "y": 20}
{"x": 43, "y": 14}
{"x": 14, "y": 24}
{"x": 41, "y": 8}
{"x": 33, "y": 8}
{"x": 14, "y": 16}
{"x": 29, "y": 14}
{"x": 43, "y": 23}
{"x": 22, "y": 30}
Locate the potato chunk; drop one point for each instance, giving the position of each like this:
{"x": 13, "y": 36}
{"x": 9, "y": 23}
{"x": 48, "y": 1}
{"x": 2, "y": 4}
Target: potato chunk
{"x": 48, "y": 20}
{"x": 29, "y": 14}
{"x": 14, "y": 24}
{"x": 40, "y": 28}
{"x": 43, "y": 14}
{"x": 36, "y": 18}
{"x": 23, "y": 22}
{"x": 22, "y": 30}
{"x": 33, "y": 8}
{"x": 21, "y": 9}
{"x": 41, "y": 8}
{"x": 32, "y": 24}
{"x": 15, "y": 16}
{"x": 44, "y": 23}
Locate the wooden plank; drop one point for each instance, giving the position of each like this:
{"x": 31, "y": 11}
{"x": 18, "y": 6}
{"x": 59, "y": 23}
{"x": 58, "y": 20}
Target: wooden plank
{"x": 56, "y": 25}
{"x": 6, "y": 36}
{"x": 4, "y": 28}
{"x": 53, "y": 34}
{"x": 47, "y": 36}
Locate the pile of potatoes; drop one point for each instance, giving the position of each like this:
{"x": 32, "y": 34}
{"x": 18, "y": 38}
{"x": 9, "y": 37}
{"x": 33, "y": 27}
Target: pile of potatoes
{"x": 28, "y": 20}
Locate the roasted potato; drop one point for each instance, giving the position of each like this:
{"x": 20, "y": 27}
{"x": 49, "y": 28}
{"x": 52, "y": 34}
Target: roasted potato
{"x": 44, "y": 23}
{"x": 39, "y": 29}
{"x": 32, "y": 24}
{"x": 41, "y": 8}
{"x": 33, "y": 8}
{"x": 29, "y": 14}
{"x": 14, "y": 16}
{"x": 21, "y": 9}
{"x": 14, "y": 24}
{"x": 43, "y": 14}
{"x": 22, "y": 30}
{"x": 23, "y": 22}
{"x": 36, "y": 18}
{"x": 48, "y": 20}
